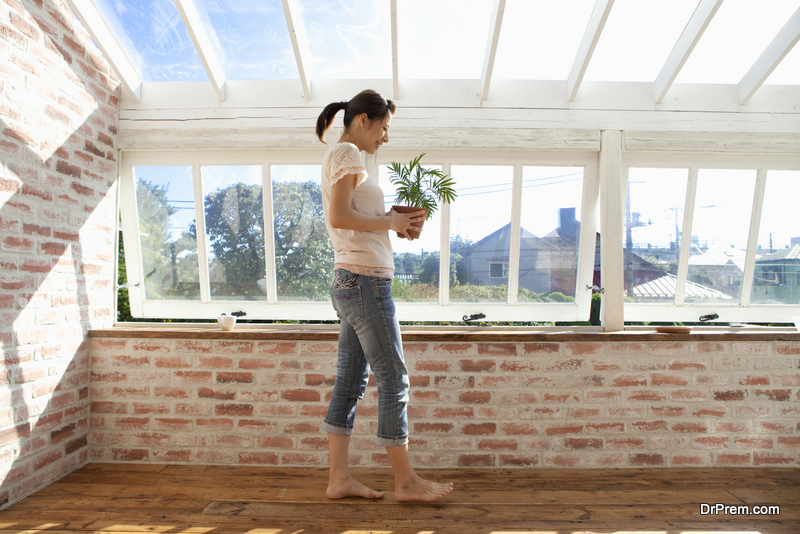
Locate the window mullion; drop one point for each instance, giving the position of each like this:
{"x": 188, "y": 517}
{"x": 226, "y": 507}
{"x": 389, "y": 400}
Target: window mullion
{"x": 612, "y": 193}
{"x": 752, "y": 240}
{"x": 686, "y": 237}
{"x": 269, "y": 234}
{"x": 444, "y": 248}
{"x": 202, "y": 243}
{"x": 516, "y": 224}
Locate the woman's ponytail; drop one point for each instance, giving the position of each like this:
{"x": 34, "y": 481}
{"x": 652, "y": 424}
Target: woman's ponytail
{"x": 370, "y": 102}
{"x": 325, "y": 118}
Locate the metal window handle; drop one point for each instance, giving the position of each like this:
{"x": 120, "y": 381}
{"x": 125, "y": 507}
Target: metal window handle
{"x": 599, "y": 289}
{"x": 473, "y": 317}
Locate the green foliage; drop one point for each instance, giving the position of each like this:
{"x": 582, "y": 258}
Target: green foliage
{"x": 123, "y": 301}
{"x": 303, "y": 251}
{"x": 420, "y": 187}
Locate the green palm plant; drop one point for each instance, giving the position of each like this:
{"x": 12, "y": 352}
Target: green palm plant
{"x": 420, "y": 187}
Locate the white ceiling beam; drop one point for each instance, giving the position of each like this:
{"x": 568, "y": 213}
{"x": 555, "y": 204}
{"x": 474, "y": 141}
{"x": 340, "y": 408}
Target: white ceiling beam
{"x": 594, "y": 29}
{"x": 109, "y": 46}
{"x": 201, "y": 37}
{"x": 491, "y": 46}
{"x": 395, "y": 70}
{"x": 770, "y": 58}
{"x": 297, "y": 32}
{"x": 683, "y": 48}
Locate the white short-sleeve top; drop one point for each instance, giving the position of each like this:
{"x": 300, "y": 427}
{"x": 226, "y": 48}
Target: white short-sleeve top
{"x": 371, "y": 249}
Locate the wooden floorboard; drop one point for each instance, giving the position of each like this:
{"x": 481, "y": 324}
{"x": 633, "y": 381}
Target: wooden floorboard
{"x": 122, "y": 498}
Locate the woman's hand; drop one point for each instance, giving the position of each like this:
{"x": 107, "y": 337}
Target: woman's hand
{"x": 402, "y": 222}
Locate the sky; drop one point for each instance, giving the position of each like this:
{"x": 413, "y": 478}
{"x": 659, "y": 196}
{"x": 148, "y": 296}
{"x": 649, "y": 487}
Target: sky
{"x": 437, "y": 39}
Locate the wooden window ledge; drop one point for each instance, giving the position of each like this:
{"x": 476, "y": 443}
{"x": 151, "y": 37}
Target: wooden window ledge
{"x": 432, "y": 334}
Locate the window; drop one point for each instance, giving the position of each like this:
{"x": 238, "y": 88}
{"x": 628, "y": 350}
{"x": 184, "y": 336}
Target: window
{"x": 208, "y": 232}
{"x": 713, "y": 236}
{"x": 498, "y": 269}
{"x": 199, "y": 241}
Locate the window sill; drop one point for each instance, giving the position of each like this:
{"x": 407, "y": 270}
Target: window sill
{"x": 442, "y": 333}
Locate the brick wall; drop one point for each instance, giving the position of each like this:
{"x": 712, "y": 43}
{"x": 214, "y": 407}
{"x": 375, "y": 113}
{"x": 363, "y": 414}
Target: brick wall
{"x": 532, "y": 404}
{"x": 58, "y": 110}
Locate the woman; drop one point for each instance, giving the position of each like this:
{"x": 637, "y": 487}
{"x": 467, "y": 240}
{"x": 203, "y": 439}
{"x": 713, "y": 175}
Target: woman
{"x": 369, "y": 334}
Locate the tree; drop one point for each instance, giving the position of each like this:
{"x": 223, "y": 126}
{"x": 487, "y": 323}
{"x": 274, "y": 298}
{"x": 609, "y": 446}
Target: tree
{"x": 159, "y": 252}
{"x": 303, "y": 251}
{"x": 235, "y": 228}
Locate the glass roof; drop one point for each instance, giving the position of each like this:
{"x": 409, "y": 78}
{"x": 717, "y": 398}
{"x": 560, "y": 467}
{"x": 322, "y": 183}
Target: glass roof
{"x": 447, "y": 39}
{"x": 637, "y": 39}
{"x": 735, "y": 39}
{"x": 539, "y": 40}
{"x": 152, "y": 34}
{"x": 253, "y": 37}
{"x": 442, "y": 39}
{"x": 348, "y": 40}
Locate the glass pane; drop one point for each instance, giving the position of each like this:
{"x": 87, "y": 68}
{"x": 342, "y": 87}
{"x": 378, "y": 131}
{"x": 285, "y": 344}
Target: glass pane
{"x": 654, "y": 26}
{"x": 735, "y": 38}
{"x": 349, "y": 40}
{"x": 165, "y": 202}
{"x": 303, "y": 250}
{"x": 234, "y": 212}
{"x": 416, "y": 263}
{"x": 254, "y": 37}
{"x": 481, "y": 233}
{"x": 720, "y": 228}
{"x": 154, "y": 38}
{"x": 550, "y": 233}
{"x": 653, "y": 223}
{"x": 777, "y": 274}
{"x": 556, "y": 27}
{"x": 442, "y": 40}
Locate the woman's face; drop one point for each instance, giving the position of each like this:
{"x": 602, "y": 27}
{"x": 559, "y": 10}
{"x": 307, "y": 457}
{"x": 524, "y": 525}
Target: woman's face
{"x": 375, "y": 134}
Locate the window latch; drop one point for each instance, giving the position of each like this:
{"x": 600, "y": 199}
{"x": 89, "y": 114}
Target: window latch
{"x": 473, "y": 317}
{"x": 709, "y": 317}
{"x": 595, "y": 288}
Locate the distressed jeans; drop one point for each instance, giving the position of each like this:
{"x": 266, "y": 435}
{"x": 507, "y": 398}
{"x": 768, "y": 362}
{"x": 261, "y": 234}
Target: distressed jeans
{"x": 369, "y": 339}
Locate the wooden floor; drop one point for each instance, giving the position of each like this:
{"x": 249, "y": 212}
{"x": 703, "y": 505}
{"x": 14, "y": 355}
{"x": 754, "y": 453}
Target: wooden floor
{"x": 215, "y": 500}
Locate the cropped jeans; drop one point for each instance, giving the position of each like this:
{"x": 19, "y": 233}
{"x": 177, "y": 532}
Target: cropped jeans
{"x": 369, "y": 339}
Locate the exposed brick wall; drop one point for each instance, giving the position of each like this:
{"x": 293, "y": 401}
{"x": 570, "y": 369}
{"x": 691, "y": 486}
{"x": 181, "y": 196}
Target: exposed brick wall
{"x": 58, "y": 107}
{"x": 538, "y": 404}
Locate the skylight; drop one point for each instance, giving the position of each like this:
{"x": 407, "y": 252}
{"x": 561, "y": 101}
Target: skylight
{"x": 538, "y": 40}
{"x": 348, "y": 40}
{"x": 254, "y": 39}
{"x": 638, "y": 38}
{"x": 442, "y": 40}
{"x": 153, "y": 36}
{"x": 734, "y": 40}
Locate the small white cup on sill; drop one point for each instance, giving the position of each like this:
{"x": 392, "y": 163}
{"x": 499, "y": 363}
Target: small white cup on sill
{"x": 226, "y": 322}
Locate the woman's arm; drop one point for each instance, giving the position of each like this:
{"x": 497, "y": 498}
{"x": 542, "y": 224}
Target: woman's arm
{"x": 344, "y": 217}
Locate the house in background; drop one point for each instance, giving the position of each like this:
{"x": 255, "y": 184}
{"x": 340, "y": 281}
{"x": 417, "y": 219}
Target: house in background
{"x": 777, "y": 276}
{"x": 547, "y": 264}
{"x": 720, "y": 268}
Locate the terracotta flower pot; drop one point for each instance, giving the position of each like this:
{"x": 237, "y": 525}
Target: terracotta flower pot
{"x": 410, "y": 209}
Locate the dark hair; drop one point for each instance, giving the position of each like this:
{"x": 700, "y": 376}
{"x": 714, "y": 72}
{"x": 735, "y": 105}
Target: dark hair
{"x": 370, "y": 102}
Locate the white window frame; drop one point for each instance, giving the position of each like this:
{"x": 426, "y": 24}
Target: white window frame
{"x": 443, "y": 310}
{"x": 741, "y": 310}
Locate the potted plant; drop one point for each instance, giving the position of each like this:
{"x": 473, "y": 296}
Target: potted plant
{"x": 420, "y": 188}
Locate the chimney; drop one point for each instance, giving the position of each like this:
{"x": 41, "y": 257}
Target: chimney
{"x": 567, "y": 224}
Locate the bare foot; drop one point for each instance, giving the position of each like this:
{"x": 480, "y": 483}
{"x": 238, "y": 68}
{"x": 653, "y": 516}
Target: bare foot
{"x": 351, "y": 487}
{"x": 419, "y": 489}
